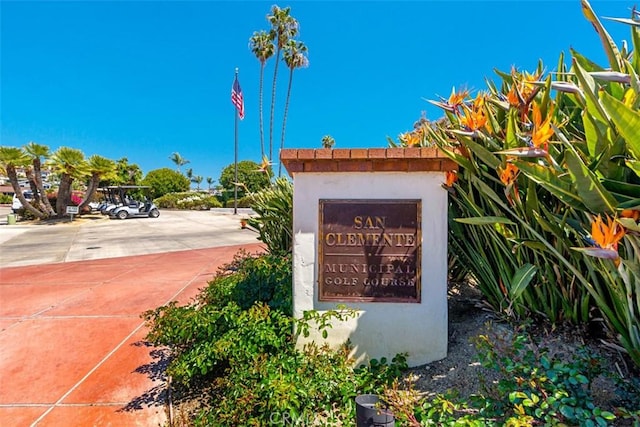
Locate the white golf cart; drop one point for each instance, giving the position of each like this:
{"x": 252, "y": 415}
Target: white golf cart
{"x": 132, "y": 207}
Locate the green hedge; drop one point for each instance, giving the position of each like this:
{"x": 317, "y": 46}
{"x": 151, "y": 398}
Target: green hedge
{"x": 243, "y": 202}
{"x": 187, "y": 200}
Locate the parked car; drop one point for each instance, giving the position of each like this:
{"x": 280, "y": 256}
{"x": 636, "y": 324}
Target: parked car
{"x": 16, "y": 204}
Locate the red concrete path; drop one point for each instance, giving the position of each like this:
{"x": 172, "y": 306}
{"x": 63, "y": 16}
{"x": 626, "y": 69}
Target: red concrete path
{"x": 72, "y": 350}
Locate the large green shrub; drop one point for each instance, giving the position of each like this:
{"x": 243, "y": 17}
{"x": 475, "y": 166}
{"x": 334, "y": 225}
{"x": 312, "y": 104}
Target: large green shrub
{"x": 266, "y": 279}
{"x": 164, "y": 181}
{"x": 238, "y": 336}
{"x": 243, "y": 202}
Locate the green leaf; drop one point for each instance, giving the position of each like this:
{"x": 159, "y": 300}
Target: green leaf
{"x": 482, "y": 153}
{"x": 629, "y": 224}
{"x": 485, "y": 220}
{"x": 521, "y": 279}
{"x": 595, "y": 133}
{"x": 511, "y": 140}
{"x": 625, "y": 188}
{"x": 634, "y": 165}
{"x": 594, "y": 196}
{"x": 627, "y": 121}
{"x": 531, "y": 198}
{"x": 631, "y": 204}
{"x": 610, "y": 48}
{"x": 546, "y": 177}
{"x": 588, "y": 85}
{"x": 587, "y": 64}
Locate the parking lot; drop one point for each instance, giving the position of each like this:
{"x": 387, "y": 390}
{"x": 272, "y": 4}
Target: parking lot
{"x": 97, "y": 237}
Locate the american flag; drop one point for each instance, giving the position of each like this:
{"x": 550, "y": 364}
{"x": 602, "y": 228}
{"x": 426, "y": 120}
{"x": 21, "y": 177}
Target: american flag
{"x": 236, "y": 98}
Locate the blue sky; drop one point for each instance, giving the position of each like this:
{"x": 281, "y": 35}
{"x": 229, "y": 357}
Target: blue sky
{"x": 145, "y": 79}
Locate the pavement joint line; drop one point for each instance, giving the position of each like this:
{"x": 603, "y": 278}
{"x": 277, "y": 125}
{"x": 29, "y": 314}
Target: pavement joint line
{"x": 71, "y": 244}
{"x": 38, "y": 314}
{"x": 87, "y": 375}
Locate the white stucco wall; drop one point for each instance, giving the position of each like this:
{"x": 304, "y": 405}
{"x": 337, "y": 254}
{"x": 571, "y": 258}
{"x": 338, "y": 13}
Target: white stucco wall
{"x": 380, "y": 329}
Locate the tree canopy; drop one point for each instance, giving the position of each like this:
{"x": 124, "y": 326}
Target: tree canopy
{"x": 251, "y": 177}
{"x": 163, "y": 181}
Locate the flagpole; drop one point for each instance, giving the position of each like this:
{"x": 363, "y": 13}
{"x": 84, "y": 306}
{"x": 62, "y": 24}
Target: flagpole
{"x": 235, "y": 185}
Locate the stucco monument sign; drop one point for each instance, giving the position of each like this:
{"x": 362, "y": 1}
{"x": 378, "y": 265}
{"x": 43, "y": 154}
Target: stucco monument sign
{"x": 369, "y": 250}
{"x": 370, "y": 232}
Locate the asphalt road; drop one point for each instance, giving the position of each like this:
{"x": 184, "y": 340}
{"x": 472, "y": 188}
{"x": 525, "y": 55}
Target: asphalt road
{"x": 97, "y": 236}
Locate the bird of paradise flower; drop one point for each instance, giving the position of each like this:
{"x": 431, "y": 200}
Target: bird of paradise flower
{"x": 605, "y": 235}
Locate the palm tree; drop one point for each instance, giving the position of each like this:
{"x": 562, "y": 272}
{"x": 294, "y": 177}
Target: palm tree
{"x": 197, "y": 179}
{"x": 295, "y": 57}
{"x": 10, "y": 159}
{"x": 328, "y": 141}
{"x": 37, "y": 152}
{"x": 100, "y": 169}
{"x": 70, "y": 164}
{"x": 261, "y": 44}
{"x": 178, "y": 160}
{"x": 209, "y": 183}
{"x": 283, "y": 28}
{"x": 189, "y": 175}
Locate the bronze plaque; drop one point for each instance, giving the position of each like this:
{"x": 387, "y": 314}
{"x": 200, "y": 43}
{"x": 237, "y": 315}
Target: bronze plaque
{"x": 369, "y": 250}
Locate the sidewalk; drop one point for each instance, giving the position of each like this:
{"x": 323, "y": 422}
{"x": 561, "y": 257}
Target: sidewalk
{"x": 72, "y": 350}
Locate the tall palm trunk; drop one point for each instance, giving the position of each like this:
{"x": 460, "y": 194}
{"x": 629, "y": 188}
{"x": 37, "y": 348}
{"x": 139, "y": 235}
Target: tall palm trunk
{"x": 284, "y": 118}
{"x": 37, "y": 171}
{"x": 92, "y": 188}
{"x": 273, "y": 104}
{"x": 262, "y": 64}
{"x": 64, "y": 194}
{"x": 13, "y": 179}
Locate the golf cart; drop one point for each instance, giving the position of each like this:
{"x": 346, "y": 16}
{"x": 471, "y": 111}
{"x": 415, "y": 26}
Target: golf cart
{"x": 110, "y": 200}
{"x": 132, "y": 208}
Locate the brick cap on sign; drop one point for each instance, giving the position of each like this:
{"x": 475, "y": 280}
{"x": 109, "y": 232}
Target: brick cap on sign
{"x": 409, "y": 159}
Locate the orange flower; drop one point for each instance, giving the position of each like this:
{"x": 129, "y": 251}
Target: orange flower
{"x": 450, "y": 178}
{"x": 526, "y": 86}
{"x": 512, "y": 96}
{"x": 457, "y": 99}
{"x": 630, "y": 213}
{"x": 508, "y": 174}
{"x": 542, "y": 130}
{"x": 414, "y": 138}
{"x": 606, "y": 235}
{"x": 264, "y": 166}
{"x": 474, "y": 117}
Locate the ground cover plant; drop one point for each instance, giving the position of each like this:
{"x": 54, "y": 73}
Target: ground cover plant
{"x": 532, "y": 390}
